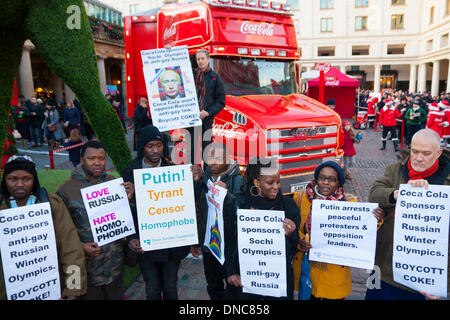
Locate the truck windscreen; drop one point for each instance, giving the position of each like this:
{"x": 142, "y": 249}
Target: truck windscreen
{"x": 255, "y": 76}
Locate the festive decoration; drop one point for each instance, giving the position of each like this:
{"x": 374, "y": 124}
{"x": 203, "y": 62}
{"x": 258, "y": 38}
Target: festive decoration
{"x": 68, "y": 50}
{"x": 114, "y": 32}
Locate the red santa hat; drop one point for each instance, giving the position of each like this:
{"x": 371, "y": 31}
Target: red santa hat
{"x": 388, "y": 102}
{"x": 433, "y": 106}
{"x": 444, "y": 104}
{"x": 375, "y": 99}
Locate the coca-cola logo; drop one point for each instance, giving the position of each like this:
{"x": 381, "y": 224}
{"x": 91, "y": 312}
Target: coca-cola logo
{"x": 262, "y": 29}
{"x": 169, "y": 32}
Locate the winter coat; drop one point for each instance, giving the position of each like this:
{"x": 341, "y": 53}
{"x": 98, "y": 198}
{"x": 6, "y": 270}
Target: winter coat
{"x": 162, "y": 255}
{"x": 36, "y": 120}
{"x": 68, "y": 246}
{"x": 435, "y": 118}
{"x": 381, "y": 193}
{"x": 447, "y": 123}
{"x": 420, "y": 116}
{"x": 72, "y": 115}
{"x": 106, "y": 267}
{"x": 388, "y": 116}
{"x": 53, "y": 118}
{"x": 348, "y": 146}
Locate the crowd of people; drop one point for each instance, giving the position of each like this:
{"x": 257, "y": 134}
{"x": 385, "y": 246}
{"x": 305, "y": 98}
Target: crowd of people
{"x": 399, "y": 109}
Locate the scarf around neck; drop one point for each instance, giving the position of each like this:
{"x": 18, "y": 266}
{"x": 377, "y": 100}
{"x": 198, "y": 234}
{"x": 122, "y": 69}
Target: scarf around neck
{"x": 200, "y": 84}
{"x": 263, "y": 203}
{"x": 416, "y": 175}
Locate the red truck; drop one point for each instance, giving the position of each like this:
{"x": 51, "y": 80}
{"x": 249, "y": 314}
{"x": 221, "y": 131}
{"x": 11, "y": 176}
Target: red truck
{"x": 253, "y": 48}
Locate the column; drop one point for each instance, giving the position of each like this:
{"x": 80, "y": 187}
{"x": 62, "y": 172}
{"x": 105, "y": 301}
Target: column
{"x": 422, "y": 78}
{"x": 412, "y": 77}
{"x": 376, "y": 78}
{"x": 343, "y": 68}
{"x": 448, "y": 77}
{"x": 69, "y": 95}
{"x": 58, "y": 86}
{"x": 435, "y": 79}
{"x": 102, "y": 73}
{"x": 26, "y": 72}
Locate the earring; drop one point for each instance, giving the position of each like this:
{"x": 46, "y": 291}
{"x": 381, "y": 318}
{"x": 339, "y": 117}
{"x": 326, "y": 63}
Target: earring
{"x": 253, "y": 194}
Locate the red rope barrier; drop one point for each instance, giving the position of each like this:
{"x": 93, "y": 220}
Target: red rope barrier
{"x": 51, "y": 152}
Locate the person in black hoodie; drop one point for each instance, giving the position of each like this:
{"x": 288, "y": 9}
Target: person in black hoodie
{"x": 223, "y": 172}
{"x": 159, "y": 267}
{"x": 261, "y": 191}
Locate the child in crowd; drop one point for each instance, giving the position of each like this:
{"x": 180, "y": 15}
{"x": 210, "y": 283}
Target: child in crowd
{"x": 349, "y": 148}
{"x": 74, "y": 153}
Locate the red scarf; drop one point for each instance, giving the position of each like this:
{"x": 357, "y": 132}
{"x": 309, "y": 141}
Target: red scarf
{"x": 416, "y": 175}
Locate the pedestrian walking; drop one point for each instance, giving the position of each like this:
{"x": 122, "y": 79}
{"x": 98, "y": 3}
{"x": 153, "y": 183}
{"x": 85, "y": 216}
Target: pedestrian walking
{"x": 21, "y": 116}
{"x": 349, "y": 148}
{"x": 36, "y": 118}
{"x": 71, "y": 118}
{"x": 388, "y": 115}
{"x": 50, "y": 125}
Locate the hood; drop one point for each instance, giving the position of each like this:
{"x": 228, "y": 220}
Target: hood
{"x": 79, "y": 174}
{"x": 276, "y": 111}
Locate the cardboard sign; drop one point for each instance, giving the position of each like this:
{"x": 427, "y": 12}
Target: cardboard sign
{"x": 29, "y": 255}
{"x": 214, "y": 238}
{"x": 109, "y": 211}
{"x": 262, "y": 252}
{"x": 420, "y": 251}
{"x": 165, "y": 207}
{"x": 171, "y": 88}
{"x": 343, "y": 233}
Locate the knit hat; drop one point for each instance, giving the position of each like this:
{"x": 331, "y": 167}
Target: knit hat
{"x": 147, "y": 134}
{"x": 331, "y": 102}
{"x": 444, "y": 104}
{"x": 335, "y": 166}
{"x": 346, "y": 123}
{"x": 19, "y": 162}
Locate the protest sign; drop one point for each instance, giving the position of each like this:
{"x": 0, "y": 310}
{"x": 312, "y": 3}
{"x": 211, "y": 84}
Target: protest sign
{"x": 29, "y": 255}
{"x": 109, "y": 211}
{"x": 262, "y": 252}
{"x": 171, "y": 88}
{"x": 343, "y": 233}
{"x": 214, "y": 239}
{"x": 165, "y": 207}
{"x": 420, "y": 252}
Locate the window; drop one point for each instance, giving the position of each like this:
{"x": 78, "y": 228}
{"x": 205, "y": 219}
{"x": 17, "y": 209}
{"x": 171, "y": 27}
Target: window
{"x": 360, "y": 50}
{"x": 326, "y": 24}
{"x": 326, "y": 4}
{"x": 294, "y": 4}
{"x": 325, "y": 51}
{"x": 431, "y": 15}
{"x": 297, "y": 25}
{"x": 361, "y": 24}
{"x": 395, "y": 2}
{"x": 397, "y": 21}
{"x": 396, "y": 49}
{"x": 430, "y": 45}
{"x": 444, "y": 40}
{"x": 134, "y": 8}
{"x": 361, "y": 3}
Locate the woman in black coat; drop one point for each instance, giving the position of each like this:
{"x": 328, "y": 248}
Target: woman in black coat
{"x": 261, "y": 191}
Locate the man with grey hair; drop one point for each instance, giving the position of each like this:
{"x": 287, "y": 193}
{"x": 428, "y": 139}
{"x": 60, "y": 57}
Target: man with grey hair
{"x": 424, "y": 164}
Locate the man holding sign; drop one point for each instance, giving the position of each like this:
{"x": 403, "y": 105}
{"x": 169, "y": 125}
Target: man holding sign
{"x": 104, "y": 263}
{"x": 159, "y": 267}
{"x": 424, "y": 165}
{"x": 31, "y": 250}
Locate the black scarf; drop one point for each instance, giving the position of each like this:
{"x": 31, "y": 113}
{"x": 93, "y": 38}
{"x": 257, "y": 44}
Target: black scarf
{"x": 263, "y": 203}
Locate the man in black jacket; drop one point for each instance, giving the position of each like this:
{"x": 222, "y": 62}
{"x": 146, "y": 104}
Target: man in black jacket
{"x": 211, "y": 100}
{"x": 36, "y": 119}
{"x": 159, "y": 267}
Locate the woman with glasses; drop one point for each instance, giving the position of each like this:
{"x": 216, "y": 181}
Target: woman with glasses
{"x": 328, "y": 281}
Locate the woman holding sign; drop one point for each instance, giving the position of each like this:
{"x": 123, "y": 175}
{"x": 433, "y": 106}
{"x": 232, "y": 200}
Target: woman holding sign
{"x": 329, "y": 281}
{"x": 261, "y": 191}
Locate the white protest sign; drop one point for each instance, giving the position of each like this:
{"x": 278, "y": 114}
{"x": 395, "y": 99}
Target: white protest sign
{"x": 343, "y": 233}
{"x": 420, "y": 252}
{"x": 171, "y": 88}
{"x": 262, "y": 252}
{"x": 165, "y": 207}
{"x": 29, "y": 256}
{"x": 109, "y": 211}
{"x": 214, "y": 238}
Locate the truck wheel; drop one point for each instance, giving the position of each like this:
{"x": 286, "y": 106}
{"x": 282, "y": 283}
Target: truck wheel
{"x": 356, "y": 125}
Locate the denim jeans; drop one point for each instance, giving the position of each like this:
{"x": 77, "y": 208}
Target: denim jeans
{"x": 34, "y": 135}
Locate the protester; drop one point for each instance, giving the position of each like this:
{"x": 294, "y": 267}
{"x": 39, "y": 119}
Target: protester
{"x": 142, "y": 118}
{"x": 72, "y": 118}
{"x": 20, "y": 187}
{"x": 159, "y": 267}
{"x": 423, "y": 165}
{"x": 51, "y": 124}
{"x": 261, "y": 191}
{"x": 74, "y": 153}
{"x": 21, "y": 116}
{"x": 415, "y": 117}
{"x": 211, "y": 100}
{"x": 388, "y": 115}
{"x": 104, "y": 264}
{"x": 349, "y": 148}
{"x": 36, "y": 118}
{"x": 223, "y": 172}
{"x": 329, "y": 281}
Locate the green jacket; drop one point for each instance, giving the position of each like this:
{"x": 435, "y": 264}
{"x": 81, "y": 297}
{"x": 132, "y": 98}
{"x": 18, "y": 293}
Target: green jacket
{"x": 420, "y": 116}
{"x": 380, "y": 193}
{"x": 67, "y": 244}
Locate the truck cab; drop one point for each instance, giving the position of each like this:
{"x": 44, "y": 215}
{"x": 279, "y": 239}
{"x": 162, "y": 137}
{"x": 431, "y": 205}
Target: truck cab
{"x": 254, "y": 50}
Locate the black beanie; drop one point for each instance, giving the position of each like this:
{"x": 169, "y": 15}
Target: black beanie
{"x": 19, "y": 162}
{"x": 147, "y": 134}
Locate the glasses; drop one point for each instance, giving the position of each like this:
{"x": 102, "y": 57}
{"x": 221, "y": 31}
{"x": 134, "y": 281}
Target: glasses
{"x": 329, "y": 179}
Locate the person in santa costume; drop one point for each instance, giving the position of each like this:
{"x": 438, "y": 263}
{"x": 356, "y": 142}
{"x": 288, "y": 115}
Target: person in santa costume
{"x": 388, "y": 115}
{"x": 371, "y": 111}
{"x": 445, "y": 107}
{"x": 436, "y": 119}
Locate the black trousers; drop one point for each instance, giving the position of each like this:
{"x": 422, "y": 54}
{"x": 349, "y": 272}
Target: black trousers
{"x": 160, "y": 278}
{"x": 393, "y": 131}
{"x": 198, "y": 136}
{"x": 215, "y": 276}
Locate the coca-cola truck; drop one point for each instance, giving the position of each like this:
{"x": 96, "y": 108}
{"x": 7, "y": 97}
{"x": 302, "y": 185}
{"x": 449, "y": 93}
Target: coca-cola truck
{"x": 253, "y": 48}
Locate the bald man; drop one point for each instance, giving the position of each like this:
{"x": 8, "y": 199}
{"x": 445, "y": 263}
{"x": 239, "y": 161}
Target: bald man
{"x": 426, "y": 163}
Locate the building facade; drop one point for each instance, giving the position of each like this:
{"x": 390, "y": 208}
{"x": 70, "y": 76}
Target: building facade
{"x": 401, "y": 44}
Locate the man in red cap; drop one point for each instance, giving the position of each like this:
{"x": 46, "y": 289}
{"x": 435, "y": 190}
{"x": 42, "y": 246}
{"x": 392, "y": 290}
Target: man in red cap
{"x": 371, "y": 111}
{"x": 388, "y": 115}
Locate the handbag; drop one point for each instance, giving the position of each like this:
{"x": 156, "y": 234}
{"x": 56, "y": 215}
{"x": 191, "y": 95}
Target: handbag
{"x": 52, "y": 127}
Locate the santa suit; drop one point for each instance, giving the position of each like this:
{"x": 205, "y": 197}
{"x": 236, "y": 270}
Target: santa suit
{"x": 371, "y": 113}
{"x": 388, "y": 115}
{"x": 435, "y": 118}
{"x": 446, "y": 134}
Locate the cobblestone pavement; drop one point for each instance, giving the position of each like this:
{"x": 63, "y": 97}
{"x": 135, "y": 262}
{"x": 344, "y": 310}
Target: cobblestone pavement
{"x": 370, "y": 163}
